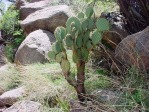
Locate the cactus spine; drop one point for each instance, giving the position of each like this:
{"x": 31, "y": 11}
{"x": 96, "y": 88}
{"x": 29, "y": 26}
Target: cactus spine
{"x": 81, "y": 35}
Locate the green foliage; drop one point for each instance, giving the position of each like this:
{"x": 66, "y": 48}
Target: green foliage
{"x": 2, "y": 7}
{"x": 9, "y": 52}
{"x": 9, "y": 20}
{"x": 10, "y": 25}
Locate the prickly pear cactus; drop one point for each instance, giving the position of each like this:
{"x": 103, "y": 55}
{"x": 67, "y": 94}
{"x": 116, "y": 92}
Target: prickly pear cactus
{"x": 82, "y": 34}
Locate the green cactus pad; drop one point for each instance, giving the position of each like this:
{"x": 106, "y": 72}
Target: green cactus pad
{"x": 73, "y": 20}
{"x": 63, "y": 32}
{"x": 84, "y": 24}
{"x": 81, "y": 15}
{"x": 102, "y": 24}
{"x": 89, "y": 45}
{"x": 84, "y": 54}
{"x": 65, "y": 65}
{"x": 51, "y": 55}
{"x": 68, "y": 40}
{"x": 57, "y": 47}
{"x": 96, "y": 37}
{"x": 76, "y": 56}
{"x": 64, "y": 55}
{"x": 74, "y": 32}
{"x": 90, "y": 23}
{"x": 89, "y": 12}
{"x": 58, "y": 57}
{"x": 86, "y": 37}
{"x": 79, "y": 41}
{"x": 60, "y": 33}
{"x": 53, "y": 46}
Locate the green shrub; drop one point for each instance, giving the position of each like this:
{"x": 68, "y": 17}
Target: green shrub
{"x": 2, "y": 7}
{"x": 13, "y": 32}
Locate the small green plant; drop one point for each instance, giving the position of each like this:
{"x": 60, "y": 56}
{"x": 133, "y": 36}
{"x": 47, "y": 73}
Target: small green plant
{"x": 82, "y": 34}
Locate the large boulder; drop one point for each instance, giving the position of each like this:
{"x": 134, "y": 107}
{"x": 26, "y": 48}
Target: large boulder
{"x": 34, "y": 48}
{"x": 30, "y": 8}
{"x": 111, "y": 39}
{"x": 20, "y": 3}
{"x": 25, "y": 106}
{"x": 47, "y": 19}
{"x": 134, "y": 50}
{"x": 1, "y": 91}
{"x": 31, "y": 1}
{"x": 10, "y": 97}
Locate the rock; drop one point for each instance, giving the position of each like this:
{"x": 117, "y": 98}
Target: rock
{"x": 1, "y": 91}
{"x": 31, "y": 1}
{"x": 2, "y": 109}
{"x": 106, "y": 96}
{"x": 20, "y": 3}
{"x": 34, "y": 48}
{"x": 134, "y": 50}
{"x": 25, "y": 106}
{"x": 47, "y": 19}
{"x": 4, "y": 68}
{"x": 111, "y": 39}
{"x": 30, "y": 8}
{"x": 10, "y": 97}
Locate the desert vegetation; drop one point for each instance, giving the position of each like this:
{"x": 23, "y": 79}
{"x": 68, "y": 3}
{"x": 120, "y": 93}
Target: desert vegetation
{"x": 74, "y": 56}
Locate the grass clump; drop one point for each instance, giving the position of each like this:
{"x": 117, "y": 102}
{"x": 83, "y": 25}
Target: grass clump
{"x": 135, "y": 92}
{"x": 9, "y": 77}
{"x": 96, "y": 81}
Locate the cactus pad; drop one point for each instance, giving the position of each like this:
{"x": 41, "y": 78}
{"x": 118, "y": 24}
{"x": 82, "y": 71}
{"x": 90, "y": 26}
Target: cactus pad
{"x": 84, "y": 54}
{"x": 68, "y": 40}
{"x": 90, "y": 23}
{"x": 102, "y": 24}
{"x": 58, "y": 57}
{"x": 84, "y": 24}
{"x": 81, "y": 15}
{"x": 60, "y": 33}
{"x": 51, "y": 55}
{"x": 65, "y": 65}
{"x": 96, "y": 37}
{"x": 79, "y": 41}
{"x": 89, "y": 45}
{"x": 76, "y": 56}
{"x": 57, "y": 47}
{"x": 86, "y": 37}
{"x": 89, "y": 12}
{"x": 74, "y": 20}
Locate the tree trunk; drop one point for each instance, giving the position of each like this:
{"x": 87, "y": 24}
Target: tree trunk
{"x": 80, "y": 81}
